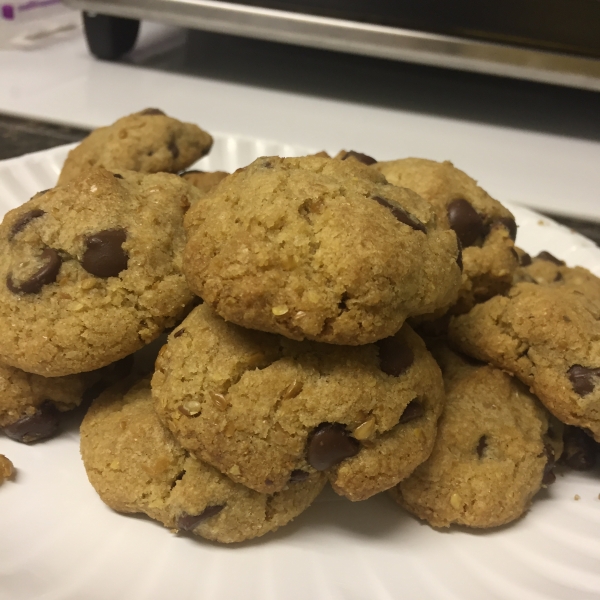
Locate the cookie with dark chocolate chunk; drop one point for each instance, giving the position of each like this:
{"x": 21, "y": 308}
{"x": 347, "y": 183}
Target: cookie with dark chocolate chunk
{"x": 31, "y": 405}
{"x": 495, "y": 449}
{"x": 265, "y": 410}
{"x": 546, "y": 269}
{"x": 547, "y": 335}
{"x": 136, "y": 466}
{"x": 485, "y": 228}
{"x": 148, "y": 141}
{"x": 320, "y": 249}
{"x": 91, "y": 271}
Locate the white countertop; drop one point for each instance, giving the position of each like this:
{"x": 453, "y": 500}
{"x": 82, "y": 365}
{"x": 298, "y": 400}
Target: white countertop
{"x": 528, "y": 143}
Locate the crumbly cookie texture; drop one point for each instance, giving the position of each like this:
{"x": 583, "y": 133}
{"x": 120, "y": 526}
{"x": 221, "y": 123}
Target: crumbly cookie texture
{"x": 267, "y": 410}
{"x": 204, "y": 180}
{"x": 91, "y": 271}
{"x": 317, "y": 248}
{"x": 148, "y": 141}
{"x": 547, "y": 335}
{"x": 136, "y": 465}
{"x": 485, "y": 228}
{"x": 494, "y": 450}
{"x": 7, "y": 469}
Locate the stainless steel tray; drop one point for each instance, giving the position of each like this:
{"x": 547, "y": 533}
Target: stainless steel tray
{"x": 359, "y": 38}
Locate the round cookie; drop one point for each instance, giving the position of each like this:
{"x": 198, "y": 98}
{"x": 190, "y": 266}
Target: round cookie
{"x": 135, "y": 465}
{"x": 494, "y": 450}
{"x": 148, "y": 141}
{"x": 30, "y": 404}
{"x": 546, "y": 269}
{"x": 320, "y": 249}
{"x": 485, "y": 228}
{"x": 91, "y": 271}
{"x": 546, "y": 335}
{"x": 266, "y": 410}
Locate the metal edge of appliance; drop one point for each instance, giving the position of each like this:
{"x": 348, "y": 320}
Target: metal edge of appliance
{"x": 359, "y": 38}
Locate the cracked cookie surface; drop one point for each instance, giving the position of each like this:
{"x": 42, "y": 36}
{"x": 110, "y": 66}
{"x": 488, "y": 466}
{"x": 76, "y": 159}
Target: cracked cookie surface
{"x": 495, "y": 448}
{"x": 91, "y": 271}
{"x": 266, "y": 410}
{"x": 136, "y": 466}
{"x": 486, "y": 229}
{"x": 317, "y": 248}
{"x": 546, "y": 335}
{"x": 148, "y": 141}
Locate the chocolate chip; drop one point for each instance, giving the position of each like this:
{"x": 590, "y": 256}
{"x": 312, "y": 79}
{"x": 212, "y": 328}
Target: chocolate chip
{"x": 297, "y": 475}
{"x": 365, "y": 159}
{"x": 401, "y": 214}
{"x": 152, "y": 111}
{"x": 104, "y": 256}
{"x": 510, "y": 224}
{"x": 38, "y": 426}
{"x": 549, "y": 477}
{"x": 582, "y": 379}
{"x": 329, "y": 444}
{"x": 481, "y": 446}
{"x": 395, "y": 356}
{"x": 580, "y": 450}
{"x": 268, "y": 482}
{"x": 413, "y": 411}
{"x": 179, "y": 332}
{"x": 20, "y": 224}
{"x": 190, "y": 522}
{"x": 117, "y": 176}
{"x": 543, "y": 255}
{"x": 558, "y": 277}
{"x": 173, "y": 149}
{"x": 43, "y": 276}
{"x": 465, "y": 221}
{"x": 525, "y": 260}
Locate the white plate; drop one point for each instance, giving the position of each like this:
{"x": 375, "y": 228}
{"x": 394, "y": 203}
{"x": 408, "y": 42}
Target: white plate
{"x": 59, "y": 541}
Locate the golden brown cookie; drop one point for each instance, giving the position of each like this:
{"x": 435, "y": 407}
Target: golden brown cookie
{"x": 494, "y": 450}
{"x": 266, "y": 410}
{"x": 485, "y": 228}
{"x": 91, "y": 271}
{"x": 546, "y": 269}
{"x": 546, "y": 335}
{"x": 148, "y": 141}
{"x": 320, "y": 249}
{"x": 136, "y": 466}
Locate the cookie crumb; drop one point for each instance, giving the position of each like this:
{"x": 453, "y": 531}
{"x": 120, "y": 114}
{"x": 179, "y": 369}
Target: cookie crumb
{"x": 6, "y": 468}
{"x": 577, "y": 497}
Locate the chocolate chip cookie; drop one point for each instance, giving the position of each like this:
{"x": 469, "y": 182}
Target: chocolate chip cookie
{"x": 320, "y": 249}
{"x": 547, "y": 335}
{"x": 546, "y": 269}
{"x": 494, "y": 450}
{"x": 30, "y": 404}
{"x": 267, "y": 410}
{"x": 136, "y": 466}
{"x": 485, "y": 228}
{"x": 91, "y": 271}
{"x": 148, "y": 141}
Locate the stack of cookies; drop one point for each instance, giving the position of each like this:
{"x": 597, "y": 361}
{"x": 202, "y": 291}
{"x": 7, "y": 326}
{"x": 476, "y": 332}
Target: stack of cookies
{"x": 291, "y": 291}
